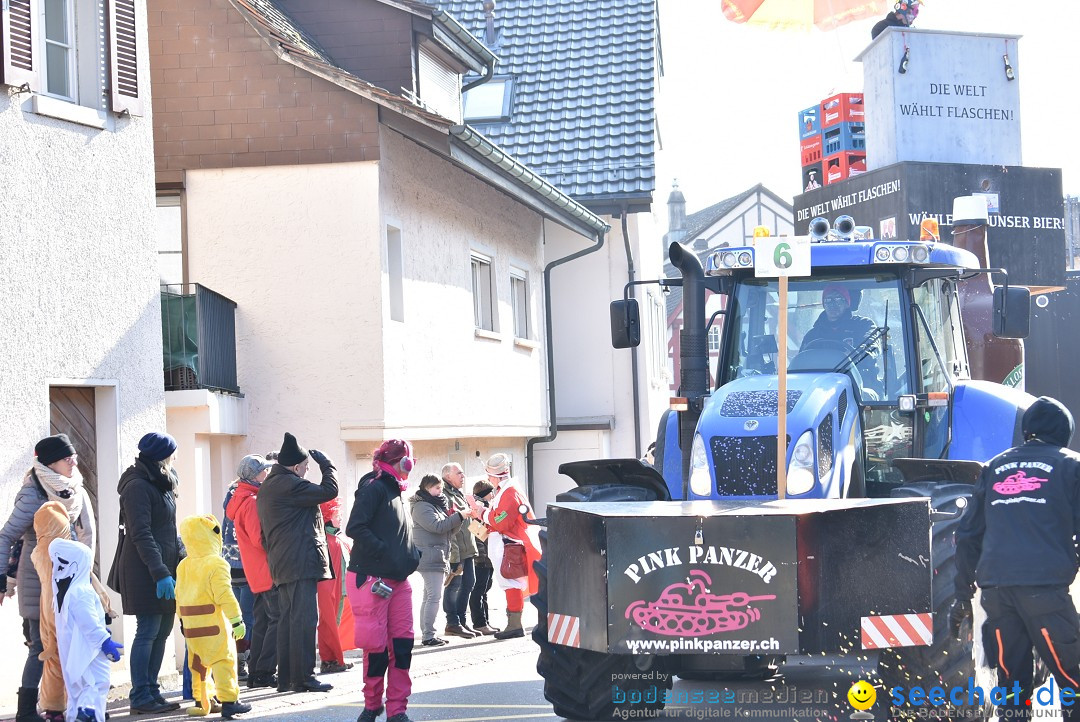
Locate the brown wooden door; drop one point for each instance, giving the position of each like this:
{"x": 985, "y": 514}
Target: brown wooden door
{"x": 72, "y": 412}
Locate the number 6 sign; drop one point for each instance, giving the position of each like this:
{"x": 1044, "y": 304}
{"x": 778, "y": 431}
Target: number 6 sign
{"x": 782, "y": 256}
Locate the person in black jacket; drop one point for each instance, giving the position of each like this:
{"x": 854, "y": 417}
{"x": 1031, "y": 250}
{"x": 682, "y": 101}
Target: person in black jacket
{"x": 1017, "y": 542}
{"x": 839, "y": 327}
{"x": 903, "y": 15}
{"x": 144, "y": 571}
{"x": 292, "y": 532}
{"x": 383, "y": 557}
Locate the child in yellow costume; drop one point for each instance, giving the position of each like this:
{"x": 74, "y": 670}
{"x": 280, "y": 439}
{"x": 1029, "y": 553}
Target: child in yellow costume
{"x": 210, "y": 616}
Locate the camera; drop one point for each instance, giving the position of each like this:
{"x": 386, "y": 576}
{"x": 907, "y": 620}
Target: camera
{"x": 381, "y": 588}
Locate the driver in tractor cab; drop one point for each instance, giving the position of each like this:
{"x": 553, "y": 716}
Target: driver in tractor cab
{"x": 837, "y": 325}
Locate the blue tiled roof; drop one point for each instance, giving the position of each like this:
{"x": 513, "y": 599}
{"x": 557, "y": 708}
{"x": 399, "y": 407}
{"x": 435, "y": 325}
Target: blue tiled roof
{"x": 582, "y": 113}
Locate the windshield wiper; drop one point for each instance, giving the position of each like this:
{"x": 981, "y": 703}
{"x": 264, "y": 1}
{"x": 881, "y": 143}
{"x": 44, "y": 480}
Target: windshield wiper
{"x": 861, "y": 351}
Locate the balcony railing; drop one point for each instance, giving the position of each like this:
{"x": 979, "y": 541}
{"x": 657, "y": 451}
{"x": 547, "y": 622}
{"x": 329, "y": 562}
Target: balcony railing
{"x": 198, "y": 333}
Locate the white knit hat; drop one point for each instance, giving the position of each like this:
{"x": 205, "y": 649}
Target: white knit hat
{"x": 498, "y": 465}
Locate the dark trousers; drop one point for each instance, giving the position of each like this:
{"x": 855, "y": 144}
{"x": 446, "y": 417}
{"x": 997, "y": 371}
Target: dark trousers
{"x": 456, "y": 594}
{"x": 478, "y": 603}
{"x": 298, "y": 619}
{"x": 32, "y": 667}
{"x": 264, "y": 631}
{"x": 1022, "y": 620}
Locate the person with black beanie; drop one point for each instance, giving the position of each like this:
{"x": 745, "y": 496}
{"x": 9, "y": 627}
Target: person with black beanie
{"x": 53, "y": 476}
{"x": 1017, "y": 541}
{"x": 144, "y": 568}
{"x": 292, "y": 530}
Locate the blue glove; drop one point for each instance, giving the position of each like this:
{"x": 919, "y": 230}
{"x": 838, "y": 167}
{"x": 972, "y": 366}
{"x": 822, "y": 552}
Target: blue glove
{"x": 111, "y": 649}
{"x": 166, "y": 588}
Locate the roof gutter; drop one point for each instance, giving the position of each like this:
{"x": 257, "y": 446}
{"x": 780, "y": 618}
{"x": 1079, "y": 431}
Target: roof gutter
{"x": 483, "y": 57}
{"x": 571, "y": 214}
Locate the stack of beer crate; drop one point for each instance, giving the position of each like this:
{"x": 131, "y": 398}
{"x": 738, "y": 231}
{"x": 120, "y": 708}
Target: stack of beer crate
{"x": 832, "y": 140}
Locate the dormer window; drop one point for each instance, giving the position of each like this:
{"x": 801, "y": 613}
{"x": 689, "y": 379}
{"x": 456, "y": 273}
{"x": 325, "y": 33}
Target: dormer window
{"x": 490, "y": 102}
{"x": 440, "y": 84}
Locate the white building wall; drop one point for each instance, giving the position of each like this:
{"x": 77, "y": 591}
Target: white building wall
{"x": 444, "y": 379}
{"x": 298, "y": 249}
{"x": 79, "y": 303}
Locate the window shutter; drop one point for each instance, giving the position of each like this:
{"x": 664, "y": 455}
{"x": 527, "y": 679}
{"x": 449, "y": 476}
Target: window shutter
{"x": 125, "y": 19}
{"x": 19, "y": 28}
{"x": 440, "y": 86}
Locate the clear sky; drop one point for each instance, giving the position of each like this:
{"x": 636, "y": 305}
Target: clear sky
{"x": 730, "y": 94}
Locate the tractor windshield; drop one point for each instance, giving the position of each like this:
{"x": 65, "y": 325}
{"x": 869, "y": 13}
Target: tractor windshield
{"x": 847, "y": 324}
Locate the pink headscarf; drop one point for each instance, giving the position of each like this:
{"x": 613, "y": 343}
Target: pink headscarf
{"x": 388, "y": 455}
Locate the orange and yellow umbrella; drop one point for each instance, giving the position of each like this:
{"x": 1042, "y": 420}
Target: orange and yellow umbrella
{"x": 802, "y": 14}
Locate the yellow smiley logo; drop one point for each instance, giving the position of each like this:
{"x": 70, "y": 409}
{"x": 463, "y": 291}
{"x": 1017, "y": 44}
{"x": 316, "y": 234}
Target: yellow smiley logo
{"x": 862, "y": 695}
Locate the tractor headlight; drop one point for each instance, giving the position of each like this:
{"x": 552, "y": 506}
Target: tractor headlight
{"x": 800, "y": 476}
{"x": 882, "y": 253}
{"x": 728, "y": 259}
{"x": 745, "y": 259}
{"x": 700, "y": 480}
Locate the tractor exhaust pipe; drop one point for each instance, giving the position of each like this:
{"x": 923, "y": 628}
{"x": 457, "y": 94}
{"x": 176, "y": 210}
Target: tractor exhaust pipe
{"x": 693, "y": 349}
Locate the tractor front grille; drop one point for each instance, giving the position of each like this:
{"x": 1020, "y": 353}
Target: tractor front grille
{"x": 745, "y": 465}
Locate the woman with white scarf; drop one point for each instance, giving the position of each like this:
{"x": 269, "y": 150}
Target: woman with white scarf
{"x": 53, "y": 477}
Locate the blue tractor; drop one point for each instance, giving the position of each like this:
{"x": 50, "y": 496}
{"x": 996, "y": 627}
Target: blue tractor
{"x": 696, "y": 565}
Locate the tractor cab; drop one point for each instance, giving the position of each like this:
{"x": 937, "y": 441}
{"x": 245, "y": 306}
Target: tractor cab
{"x": 876, "y": 357}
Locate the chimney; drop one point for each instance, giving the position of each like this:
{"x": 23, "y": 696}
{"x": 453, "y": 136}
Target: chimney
{"x": 676, "y": 204}
{"x": 490, "y": 38}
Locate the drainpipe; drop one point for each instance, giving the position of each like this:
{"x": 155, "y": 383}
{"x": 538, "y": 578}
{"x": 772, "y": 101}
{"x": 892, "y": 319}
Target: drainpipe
{"x": 633, "y": 352}
{"x": 488, "y": 74}
{"x": 553, "y": 421}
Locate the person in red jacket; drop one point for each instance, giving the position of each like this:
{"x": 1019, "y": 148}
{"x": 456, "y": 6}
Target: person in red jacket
{"x": 335, "y": 632}
{"x": 508, "y": 529}
{"x": 262, "y": 661}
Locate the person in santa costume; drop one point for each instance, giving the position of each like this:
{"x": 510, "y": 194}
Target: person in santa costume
{"x": 52, "y": 521}
{"x": 210, "y": 617}
{"x": 83, "y": 642}
{"x": 513, "y": 545}
{"x": 335, "y": 631}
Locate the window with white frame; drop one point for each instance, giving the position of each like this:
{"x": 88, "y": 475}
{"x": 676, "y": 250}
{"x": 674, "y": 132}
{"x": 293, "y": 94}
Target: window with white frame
{"x": 714, "y": 339}
{"x": 519, "y": 302}
{"x": 395, "y": 273}
{"x": 170, "y": 240}
{"x": 483, "y": 293}
{"x": 489, "y": 102}
{"x": 76, "y": 54}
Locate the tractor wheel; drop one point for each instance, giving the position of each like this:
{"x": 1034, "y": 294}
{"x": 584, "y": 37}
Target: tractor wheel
{"x": 586, "y": 685}
{"x": 946, "y": 662}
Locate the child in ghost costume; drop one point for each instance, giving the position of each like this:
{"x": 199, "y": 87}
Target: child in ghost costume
{"x": 51, "y": 521}
{"x": 85, "y": 645}
{"x": 210, "y": 616}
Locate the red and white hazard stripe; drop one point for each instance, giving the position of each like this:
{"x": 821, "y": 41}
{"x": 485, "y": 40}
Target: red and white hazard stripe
{"x": 897, "y": 630}
{"x": 564, "y": 629}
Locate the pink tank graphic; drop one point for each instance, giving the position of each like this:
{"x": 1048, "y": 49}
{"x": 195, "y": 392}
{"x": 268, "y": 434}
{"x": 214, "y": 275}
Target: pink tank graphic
{"x": 690, "y": 610}
{"x": 1017, "y": 483}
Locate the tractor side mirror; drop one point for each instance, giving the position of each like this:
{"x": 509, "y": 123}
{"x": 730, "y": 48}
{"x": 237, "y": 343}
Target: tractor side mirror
{"x": 1012, "y": 312}
{"x": 625, "y": 323}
